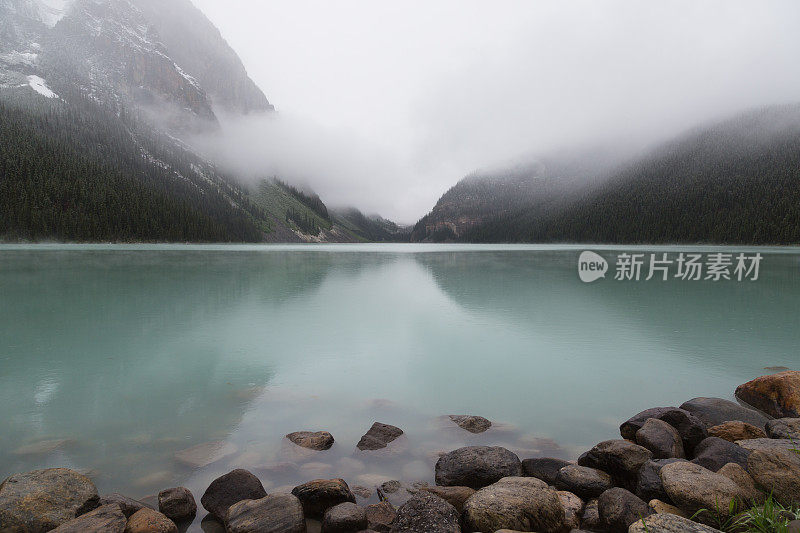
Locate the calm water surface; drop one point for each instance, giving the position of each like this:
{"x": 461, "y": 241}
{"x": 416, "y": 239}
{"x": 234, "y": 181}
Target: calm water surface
{"x": 125, "y": 355}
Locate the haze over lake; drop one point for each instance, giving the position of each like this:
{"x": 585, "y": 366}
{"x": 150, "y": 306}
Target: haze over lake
{"x": 129, "y": 354}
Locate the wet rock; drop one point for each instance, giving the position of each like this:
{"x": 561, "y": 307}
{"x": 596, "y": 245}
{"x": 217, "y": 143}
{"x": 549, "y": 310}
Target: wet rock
{"x": 42, "y": 447}
{"x": 277, "y": 513}
{"x": 344, "y": 518}
{"x": 473, "y": 424}
{"x": 205, "y": 454}
{"x": 591, "y": 516}
{"x": 455, "y": 496}
{"x": 42, "y": 500}
{"x": 715, "y": 411}
{"x": 319, "y": 440}
{"x": 620, "y": 458}
{"x": 736, "y": 430}
{"x": 177, "y": 504}
{"x": 648, "y": 483}
{"x": 584, "y": 481}
{"x": 231, "y": 488}
{"x": 777, "y": 471}
{"x": 380, "y": 516}
{"x": 573, "y": 509}
{"x": 315, "y": 470}
{"x": 665, "y": 508}
{"x": 476, "y": 466}
{"x": 660, "y": 438}
{"x": 127, "y": 505}
{"x": 395, "y": 492}
{"x": 378, "y": 436}
{"x": 104, "y": 519}
{"x": 714, "y": 453}
{"x": 669, "y": 523}
{"x": 691, "y": 429}
{"x": 147, "y": 520}
{"x": 739, "y": 475}
{"x": 768, "y": 444}
{"x": 321, "y": 494}
{"x": 516, "y": 503}
{"x": 361, "y": 491}
{"x": 426, "y": 513}
{"x": 778, "y": 395}
{"x": 784, "y": 428}
{"x": 619, "y": 508}
{"x": 544, "y": 468}
{"x": 692, "y": 488}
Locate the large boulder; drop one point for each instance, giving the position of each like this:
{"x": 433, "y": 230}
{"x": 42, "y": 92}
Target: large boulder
{"x": 313, "y": 440}
{"x": 104, "y": 519}
{"x": 660, "y": 438}
{"x": 573, "y": 509}
{"x": 693, "y": 489}
{"x": 620, "y": 508}
{"x": 584, "y": 481}
{"x": 321, "y": 494}
{"x": 544, "y": 468}
{"x": 177, "y": 504}
{"x": 426, "y": 513}
{"x": 344, "y": 518}
{"x": 147, "y": 520}
{"x": 736, "y": 430}
{"x": 277, "y": 513}
{"x": 516, "y": 503}
{"x": 42, "y": 500}
{"x": 476, "y": 466}
{"x": 691, "y": 429}
{"x": 378, "y": 436}
{"x": 473, "y": 424}
{"x": 715, "y": 411}
{"x": 620, "y": 458}
{"x": 739, "y": 475}
{"x": 128, "y": 505}
{"x": 778, "y": 395}
{"x": 777, "y": 471}
{"x": 784, "y": 428}
{"x": 714, "y": 453}
{"x": 669, "y": 523}
{"x": 648, "y": 483}
{"x": 455, "y": 496}
{"x": 231, "y": 488}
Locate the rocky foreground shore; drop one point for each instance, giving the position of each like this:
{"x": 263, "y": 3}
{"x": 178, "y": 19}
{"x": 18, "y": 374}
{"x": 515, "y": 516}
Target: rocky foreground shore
{"x": 708, "y": 465}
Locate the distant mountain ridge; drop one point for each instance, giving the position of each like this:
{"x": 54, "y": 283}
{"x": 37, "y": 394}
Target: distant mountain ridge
{"x": 734, "y": 182}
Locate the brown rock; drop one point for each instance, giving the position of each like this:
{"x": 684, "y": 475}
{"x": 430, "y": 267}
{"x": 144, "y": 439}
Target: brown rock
{"x": 378, "y": 436}
{"x": 321, "y": 494}
{"x": 669, "y": 523}
{"x": 739, "y": 475}
{"x": 149, "y": 521}
{"x": 736, "y": 430}
{"x": 573, "y": 509}
{"x": 777, "y": 471}
{"x": 619, "y": 508}
{"x": 128, "y": 505}
{"x": 177, "y": 504}
{"x": 380, "y": 516}
{"x": 455, "y": 496}
{"x": 105, "y": 519}
{"x": 517, "y": 503}
{"x": 778, "y": 395}
{"x": 233, "y": 487}
{"x": 277, "y": 513}
{"x": 344, "y": 518}
{"x": 694, "y": 488}
{"x": 660, "y": 438}
{"x": 664, "y": 508}
{"x": 319, "y": 440}
{"x": 620, "y": 458}
{"x": 473, "y": 424}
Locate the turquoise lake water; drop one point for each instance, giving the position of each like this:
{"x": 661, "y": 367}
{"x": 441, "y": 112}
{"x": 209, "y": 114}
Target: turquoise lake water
{"x": 114, "y": 358}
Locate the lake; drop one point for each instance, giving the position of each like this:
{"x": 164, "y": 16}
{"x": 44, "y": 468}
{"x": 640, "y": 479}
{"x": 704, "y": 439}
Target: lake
{"x": 114, "y": 358}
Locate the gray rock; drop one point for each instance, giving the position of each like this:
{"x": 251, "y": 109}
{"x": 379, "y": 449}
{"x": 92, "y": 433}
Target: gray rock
{"x": 714, "y": 453}
{"x": 277, "y": 513}
{"x": 769, "y": 444}
{"x": 395, "y": 492}
{"x": 691, "y": 429}
{"x": 784, "y": 428}
{"x": 380, "y": 516}
{"x": 648, "y": 484}
{"x": 42, "y": 500}
{"x": 591, "y": 516}
{"x": 378, "y": 436}
{"x": 660, "y": 438}
{"x": 516, "y": 503}
{"x": 620, "y": 458}
{"x": 584, "y": 481}
{"x": 128, "y": 505}
{"x": 620, "y": 508}
{"x": 426, "y": 513}
{"x": 455, "y": 496}
{"x": 544, "y": 468}
{"x": 669, "y": 523}
{"x": 104, "y": 519}
{"x": 693, "y": 488}
{"x": 473, "y": 424}
{"x": 313, "y": 440}
{"x": 777, "y": 471}
{"x": 231, "y": 488}
{"x": 344, "y": 518}
{"x": 476, "y": 466}
{"x": 177, "y": 504}
{"x": 321, "y": 494}
{"x": 715, "y": 411}
{"x": 573, "y": 509}
{"x": 739, "y": 475}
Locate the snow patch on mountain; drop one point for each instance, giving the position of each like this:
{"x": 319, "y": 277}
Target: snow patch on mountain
{"x": 38, "y": 84}
{"x": 51, "y": 11}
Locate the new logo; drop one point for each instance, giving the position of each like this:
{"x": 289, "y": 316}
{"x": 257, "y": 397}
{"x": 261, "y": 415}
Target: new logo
{"x": 591, "y": 267}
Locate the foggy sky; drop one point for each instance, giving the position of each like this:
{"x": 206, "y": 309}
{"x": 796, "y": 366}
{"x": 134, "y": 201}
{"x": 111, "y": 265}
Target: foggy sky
{"x": 385, "y": 104}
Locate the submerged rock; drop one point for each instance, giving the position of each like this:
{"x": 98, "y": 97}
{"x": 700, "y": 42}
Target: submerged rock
{"x": 277, "y": 513}
{"x": 544, "y": 468}
{"x": 784, "y": 428}
{"x": 42, "y": 447}
{"x": 691, "y": 429}
{"x": 42, "y": 500}
{"x": 715, "y": 411}
{"x": 177, "y": 504}
{"x": 476, "y": 466}
{"x": 344, "y": 518}
{"x": 714, "y": 453}
{"x": 620, "y": 508}
{"x": 473, "y": 424}
{"x": 516, "y": 503}
{"x": 426, "y": 513}
{"x": 231, "y": 488}
{"x": 778, "y": 395}
{"x": 104, "y": 519}
{"x": 147, "y": 520}
{"x": 584, "y": 481}
{"x": 321, "y": 494}
{"x": 660, "y": 438}
{"x": 378, "y": 436}
{"x": 205, "y": 454}
{"x": 736, "y": 430}
{"x": 319, "y": 440}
